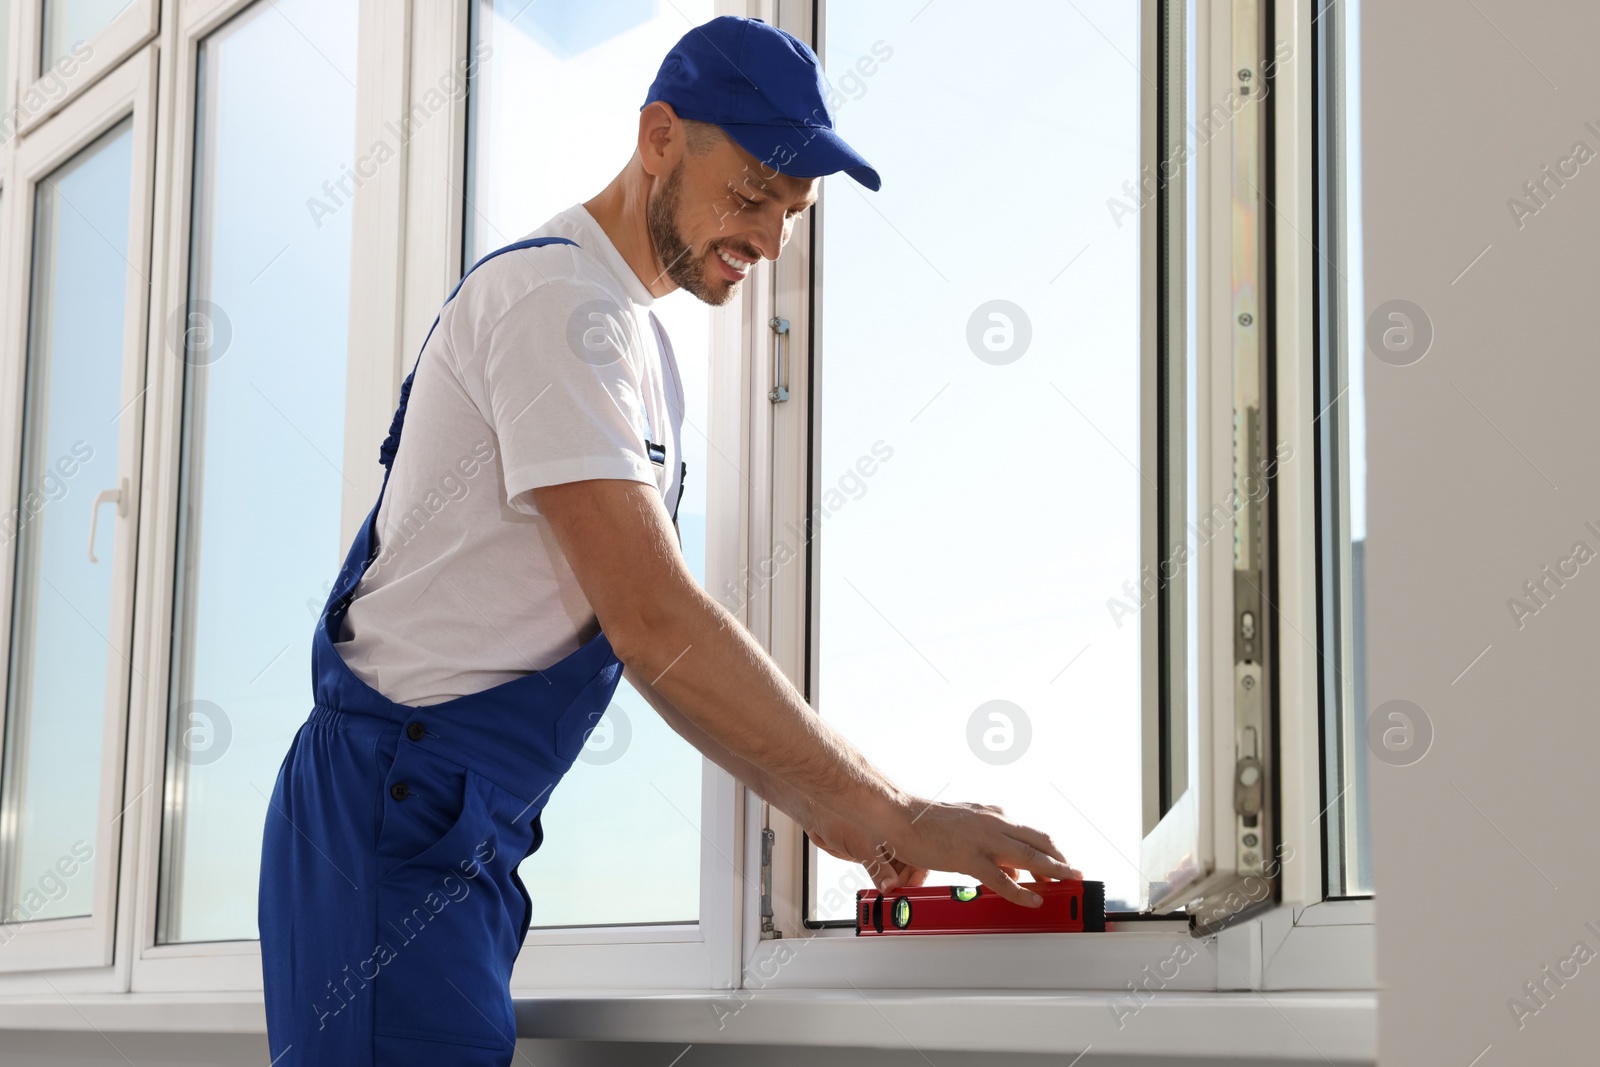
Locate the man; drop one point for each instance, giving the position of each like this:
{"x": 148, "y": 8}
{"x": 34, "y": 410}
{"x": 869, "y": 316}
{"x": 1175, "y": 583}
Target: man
{"x": 527, "y": 560}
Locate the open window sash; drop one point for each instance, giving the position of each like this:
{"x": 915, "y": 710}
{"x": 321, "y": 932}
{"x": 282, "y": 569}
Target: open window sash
{"x": 1211, "y": 845}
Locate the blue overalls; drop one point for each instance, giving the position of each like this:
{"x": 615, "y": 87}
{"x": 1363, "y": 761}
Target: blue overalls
{"x": 390, "y": 907}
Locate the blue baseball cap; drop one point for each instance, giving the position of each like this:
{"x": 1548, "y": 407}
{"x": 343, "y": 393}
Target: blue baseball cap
{"x": 765, "y": 88}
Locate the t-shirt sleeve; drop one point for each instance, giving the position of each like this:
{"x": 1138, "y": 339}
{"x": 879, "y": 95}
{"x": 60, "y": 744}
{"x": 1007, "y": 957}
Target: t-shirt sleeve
{"x": 561, "y": 387}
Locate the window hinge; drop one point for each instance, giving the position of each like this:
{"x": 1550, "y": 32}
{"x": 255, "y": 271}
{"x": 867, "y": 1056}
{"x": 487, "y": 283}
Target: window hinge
{"x": 769, "y": 931}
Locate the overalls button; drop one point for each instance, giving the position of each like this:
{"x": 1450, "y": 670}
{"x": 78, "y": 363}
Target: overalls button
{"x": 415, "y": 731}
{"x": 398, "y": 790}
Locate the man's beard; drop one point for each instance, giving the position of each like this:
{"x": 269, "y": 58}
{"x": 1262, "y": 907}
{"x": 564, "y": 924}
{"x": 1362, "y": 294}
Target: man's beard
{"x": 683, "y": 267}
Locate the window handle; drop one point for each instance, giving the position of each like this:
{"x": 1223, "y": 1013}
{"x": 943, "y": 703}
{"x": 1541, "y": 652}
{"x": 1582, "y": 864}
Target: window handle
{"x": 119, "y": 497}
{"x": 780, "y": 349}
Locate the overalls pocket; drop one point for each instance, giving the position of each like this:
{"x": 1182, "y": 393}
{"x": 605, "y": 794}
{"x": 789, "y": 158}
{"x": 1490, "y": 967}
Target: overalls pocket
{"x": 423, "y": 800}
{"x": 444, "y": 936}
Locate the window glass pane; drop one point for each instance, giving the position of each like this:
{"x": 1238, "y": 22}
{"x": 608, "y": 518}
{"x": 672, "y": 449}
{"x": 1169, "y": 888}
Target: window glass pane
{"x": 263, "y": 346}
{"x": 68, "y": 23}
{"x": 1354, "y": 822}
{"x": 978, "y": 504}
{"x": 60, "y": 662}
{"x": 554, "y": 115}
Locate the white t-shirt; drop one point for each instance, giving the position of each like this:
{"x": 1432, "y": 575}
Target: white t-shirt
{"x": 546, "y": 367}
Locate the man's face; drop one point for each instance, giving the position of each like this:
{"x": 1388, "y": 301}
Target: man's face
{"x": 724, "y": 203}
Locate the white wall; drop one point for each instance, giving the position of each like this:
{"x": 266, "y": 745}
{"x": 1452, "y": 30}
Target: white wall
{"x": 1483, "y": 469}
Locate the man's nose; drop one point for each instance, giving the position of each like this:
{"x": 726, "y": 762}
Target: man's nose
{"x": 768, "y": 238}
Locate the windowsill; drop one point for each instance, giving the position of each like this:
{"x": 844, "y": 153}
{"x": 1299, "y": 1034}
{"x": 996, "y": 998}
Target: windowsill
{"x": 1315, "y": 1027}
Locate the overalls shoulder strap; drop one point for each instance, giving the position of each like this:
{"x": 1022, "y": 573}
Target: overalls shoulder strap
{"x": 392, "y": 443}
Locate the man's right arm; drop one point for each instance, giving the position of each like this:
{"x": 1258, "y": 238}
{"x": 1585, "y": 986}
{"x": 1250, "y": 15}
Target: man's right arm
{"x": 619, "y": 542}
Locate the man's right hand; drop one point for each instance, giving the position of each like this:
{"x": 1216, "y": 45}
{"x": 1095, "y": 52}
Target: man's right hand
{"x": 978, "y": 840}
{"x": 972, "y": 839}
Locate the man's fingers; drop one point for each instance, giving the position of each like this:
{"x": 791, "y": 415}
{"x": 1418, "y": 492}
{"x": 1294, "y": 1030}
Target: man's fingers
{"x": 885, "y": 877}
{"x": 912, "y": 876}
{"x": 1038, "y": 863}
{"x": 1036, "y": 838}
{"x": 1045, "y": 876}
{"x": 1042, "y": 857}
{"x": 996, "y": 879}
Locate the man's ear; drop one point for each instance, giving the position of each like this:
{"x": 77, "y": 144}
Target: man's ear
{"x": 656, "y": 122}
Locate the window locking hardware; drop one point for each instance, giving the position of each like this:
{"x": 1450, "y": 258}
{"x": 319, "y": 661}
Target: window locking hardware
{"x": 1247, "y": 786}
{"x": 780, "y": 355}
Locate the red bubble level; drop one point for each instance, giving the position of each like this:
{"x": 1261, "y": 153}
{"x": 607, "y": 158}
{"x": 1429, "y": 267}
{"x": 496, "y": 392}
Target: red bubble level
{"x": 1069, "y": 907}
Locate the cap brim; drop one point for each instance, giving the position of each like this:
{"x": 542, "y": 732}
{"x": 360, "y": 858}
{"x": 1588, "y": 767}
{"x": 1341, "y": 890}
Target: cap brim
{"x": 803, "y": 151}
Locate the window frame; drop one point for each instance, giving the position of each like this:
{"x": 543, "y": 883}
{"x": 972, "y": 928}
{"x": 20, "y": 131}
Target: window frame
{"x": 85, "y": 942}
{"x": 122, "y": 37}
{"x": 11, "y": 90}
{"x": 1341, "y": 685}
{"x": 1299, "y": 658}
